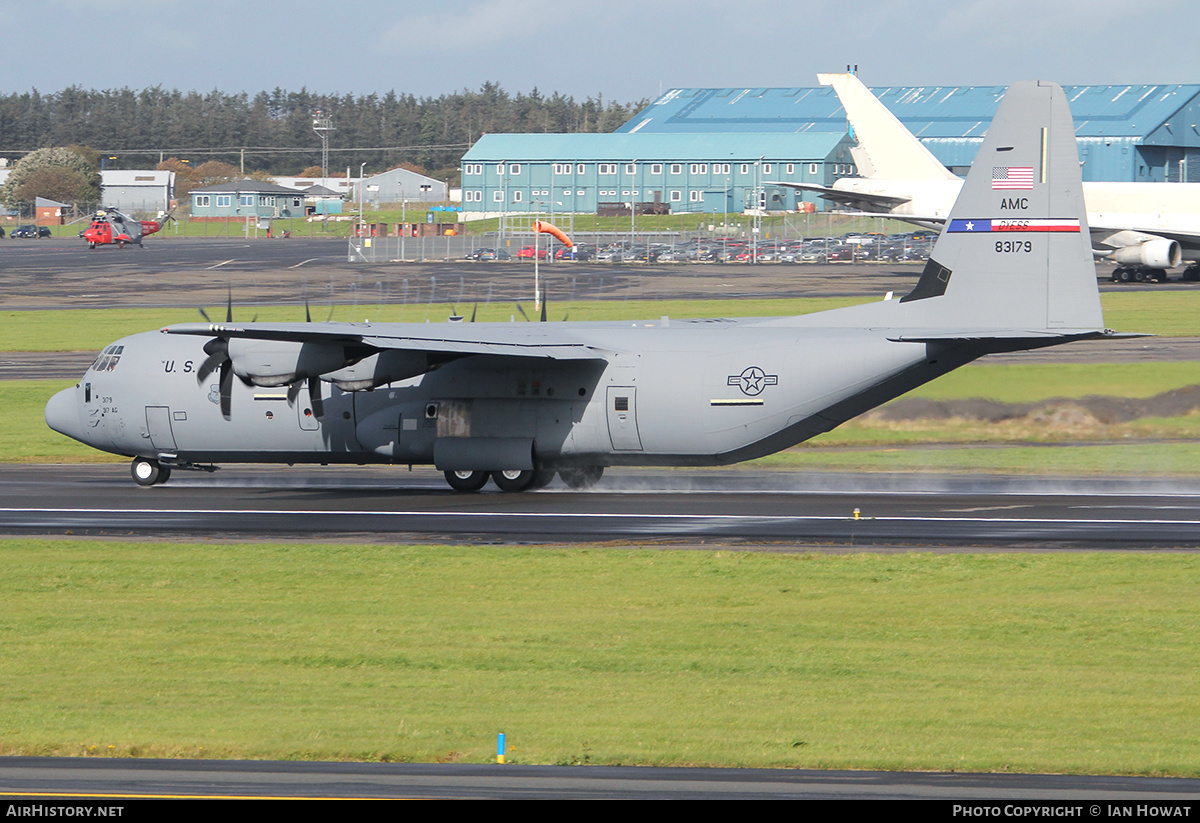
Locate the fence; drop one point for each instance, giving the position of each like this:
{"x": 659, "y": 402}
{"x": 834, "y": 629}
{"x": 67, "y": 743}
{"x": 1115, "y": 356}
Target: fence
{"x": 513, "y": 239}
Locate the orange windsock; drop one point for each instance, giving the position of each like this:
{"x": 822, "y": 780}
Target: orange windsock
{"x": 551, "y": 229}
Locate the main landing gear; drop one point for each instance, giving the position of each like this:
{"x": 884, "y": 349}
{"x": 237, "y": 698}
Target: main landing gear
{"x": 148, "y": 472}
{"x": 520, "y": 481}
{"x": 1138, "y": 274}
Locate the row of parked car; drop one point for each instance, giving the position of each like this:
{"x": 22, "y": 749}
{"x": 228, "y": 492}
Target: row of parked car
{"x": 29, "y": 231}
{"x": 911, "y": 246}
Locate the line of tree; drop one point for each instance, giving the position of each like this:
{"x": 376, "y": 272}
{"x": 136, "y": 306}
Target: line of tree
{"x": 272, "y": 131}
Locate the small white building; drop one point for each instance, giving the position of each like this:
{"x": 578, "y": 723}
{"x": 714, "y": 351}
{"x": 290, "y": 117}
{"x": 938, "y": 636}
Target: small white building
{"x": 398, "y": 185}
{"x": 137, "y": 190}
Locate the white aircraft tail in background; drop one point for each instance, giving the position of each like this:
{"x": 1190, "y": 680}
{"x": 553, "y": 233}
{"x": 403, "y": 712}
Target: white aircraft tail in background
{"x": 1145, "y": 228}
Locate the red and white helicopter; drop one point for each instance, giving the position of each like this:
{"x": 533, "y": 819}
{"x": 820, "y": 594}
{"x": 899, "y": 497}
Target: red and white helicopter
{"x": 110, "y": 226}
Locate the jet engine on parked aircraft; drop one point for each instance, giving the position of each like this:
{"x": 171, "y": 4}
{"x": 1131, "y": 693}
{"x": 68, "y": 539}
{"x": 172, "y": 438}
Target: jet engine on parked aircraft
{"x": 1160, "y": 253}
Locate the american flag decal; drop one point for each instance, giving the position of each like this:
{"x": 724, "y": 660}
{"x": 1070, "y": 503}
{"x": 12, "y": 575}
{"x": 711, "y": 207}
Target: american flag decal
{"x": 1012, "y": 177}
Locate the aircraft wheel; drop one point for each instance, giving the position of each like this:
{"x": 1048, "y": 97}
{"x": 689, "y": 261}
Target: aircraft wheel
{"x": 1117, "y": 273}
{"x": 91, "y": 245}
{"x": 1126, "y": 276}
{"x": 541, "y": 479}
{"x": 583, "y": 478}
{"x": 148, "y": 472}
{"x": 466, "y": 481}
{"x": 513, "y": 480}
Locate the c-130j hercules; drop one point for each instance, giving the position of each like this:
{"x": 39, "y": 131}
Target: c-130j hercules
{"x": 517, "y": 402}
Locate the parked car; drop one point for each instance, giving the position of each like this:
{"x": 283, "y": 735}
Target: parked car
{"x": 580, "y": 251}
{"x": 1, "y": 231}
{"x": 31, "y": 231}
{"x": 528, "y": 252}
{"x": 488, "y": 254}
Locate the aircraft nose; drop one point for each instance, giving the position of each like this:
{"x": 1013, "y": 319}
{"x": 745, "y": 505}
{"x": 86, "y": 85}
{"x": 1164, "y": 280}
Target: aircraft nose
{"x": 62, "y": 414}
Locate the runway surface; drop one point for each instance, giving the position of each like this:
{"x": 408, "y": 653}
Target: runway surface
{"x": 115, "y": 780}
{"x": 739, "y": 508}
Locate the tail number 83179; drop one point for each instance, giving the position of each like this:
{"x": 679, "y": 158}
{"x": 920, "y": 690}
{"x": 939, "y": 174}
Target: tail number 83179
{"x": 1013, "y": 246}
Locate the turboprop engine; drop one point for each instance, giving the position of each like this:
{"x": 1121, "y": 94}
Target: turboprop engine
{"x": 271, "y": 363}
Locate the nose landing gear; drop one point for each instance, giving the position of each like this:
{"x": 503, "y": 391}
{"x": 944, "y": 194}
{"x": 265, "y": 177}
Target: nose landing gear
{"x": 148, "y": 472}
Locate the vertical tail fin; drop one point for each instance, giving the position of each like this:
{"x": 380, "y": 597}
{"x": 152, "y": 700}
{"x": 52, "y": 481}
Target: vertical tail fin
{"x": 891, "y": 149}
{"x": 1015, "y": 255}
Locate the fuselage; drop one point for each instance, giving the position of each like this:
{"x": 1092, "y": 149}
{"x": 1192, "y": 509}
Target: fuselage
{"x": 1120, "y": 214}
{"x": 665, "y": 392}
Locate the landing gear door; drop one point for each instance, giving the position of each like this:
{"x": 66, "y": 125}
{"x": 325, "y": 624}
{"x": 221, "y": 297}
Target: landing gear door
{"x": 622, "y": 418}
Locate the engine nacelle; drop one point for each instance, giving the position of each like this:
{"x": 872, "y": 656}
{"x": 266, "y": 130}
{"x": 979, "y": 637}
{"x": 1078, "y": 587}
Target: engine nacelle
{"x": 271, "y": 363}
{"x": 1154, "y": 254}
{"x": 378, "y": 370}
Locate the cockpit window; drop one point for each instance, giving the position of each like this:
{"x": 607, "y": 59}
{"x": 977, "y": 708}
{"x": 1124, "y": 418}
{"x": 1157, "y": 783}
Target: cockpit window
{"x": 107, "y": 360}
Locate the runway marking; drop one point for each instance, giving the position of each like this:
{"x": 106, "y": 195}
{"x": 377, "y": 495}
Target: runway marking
{"x": 302, "y": 262}
{"x": 210, "y": 268}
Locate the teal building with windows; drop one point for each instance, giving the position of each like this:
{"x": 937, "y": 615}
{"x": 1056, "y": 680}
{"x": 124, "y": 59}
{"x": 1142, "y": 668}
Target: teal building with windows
{"x": 686, "y": 173}
{"x": 246, "y": 198}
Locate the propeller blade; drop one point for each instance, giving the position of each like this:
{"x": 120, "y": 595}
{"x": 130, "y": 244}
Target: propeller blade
{"x": 218, "y": 354}
{"x": 204, "y": 314}
{"x": 229, "y": 305}
{"x": 314, "y": 397}
{"x": 226, "y": 388}
{"x": 522, "y": 311}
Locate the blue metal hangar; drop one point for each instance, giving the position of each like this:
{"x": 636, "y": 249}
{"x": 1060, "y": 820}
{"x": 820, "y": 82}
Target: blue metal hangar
{"x": 1128, "y": 133}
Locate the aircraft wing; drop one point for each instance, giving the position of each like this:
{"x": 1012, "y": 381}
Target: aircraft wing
{"x": 1102, "y": 234}
{"x": 454, "y": 340}
{"x": 858, "y": 200}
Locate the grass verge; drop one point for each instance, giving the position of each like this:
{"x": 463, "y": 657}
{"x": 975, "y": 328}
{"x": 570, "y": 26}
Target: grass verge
{"x": 1058, "y": 663}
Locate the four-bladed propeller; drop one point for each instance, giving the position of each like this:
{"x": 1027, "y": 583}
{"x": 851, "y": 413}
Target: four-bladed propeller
{"x": 218, "y": 359}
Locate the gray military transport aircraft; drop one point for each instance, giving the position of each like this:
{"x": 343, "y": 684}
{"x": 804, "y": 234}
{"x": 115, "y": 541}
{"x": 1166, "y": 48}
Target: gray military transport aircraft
{"x": 517, "y": 402}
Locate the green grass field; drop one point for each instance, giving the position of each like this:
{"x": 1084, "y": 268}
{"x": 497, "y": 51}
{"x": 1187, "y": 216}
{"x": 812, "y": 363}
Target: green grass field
{"x": 1022, "y": 662}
